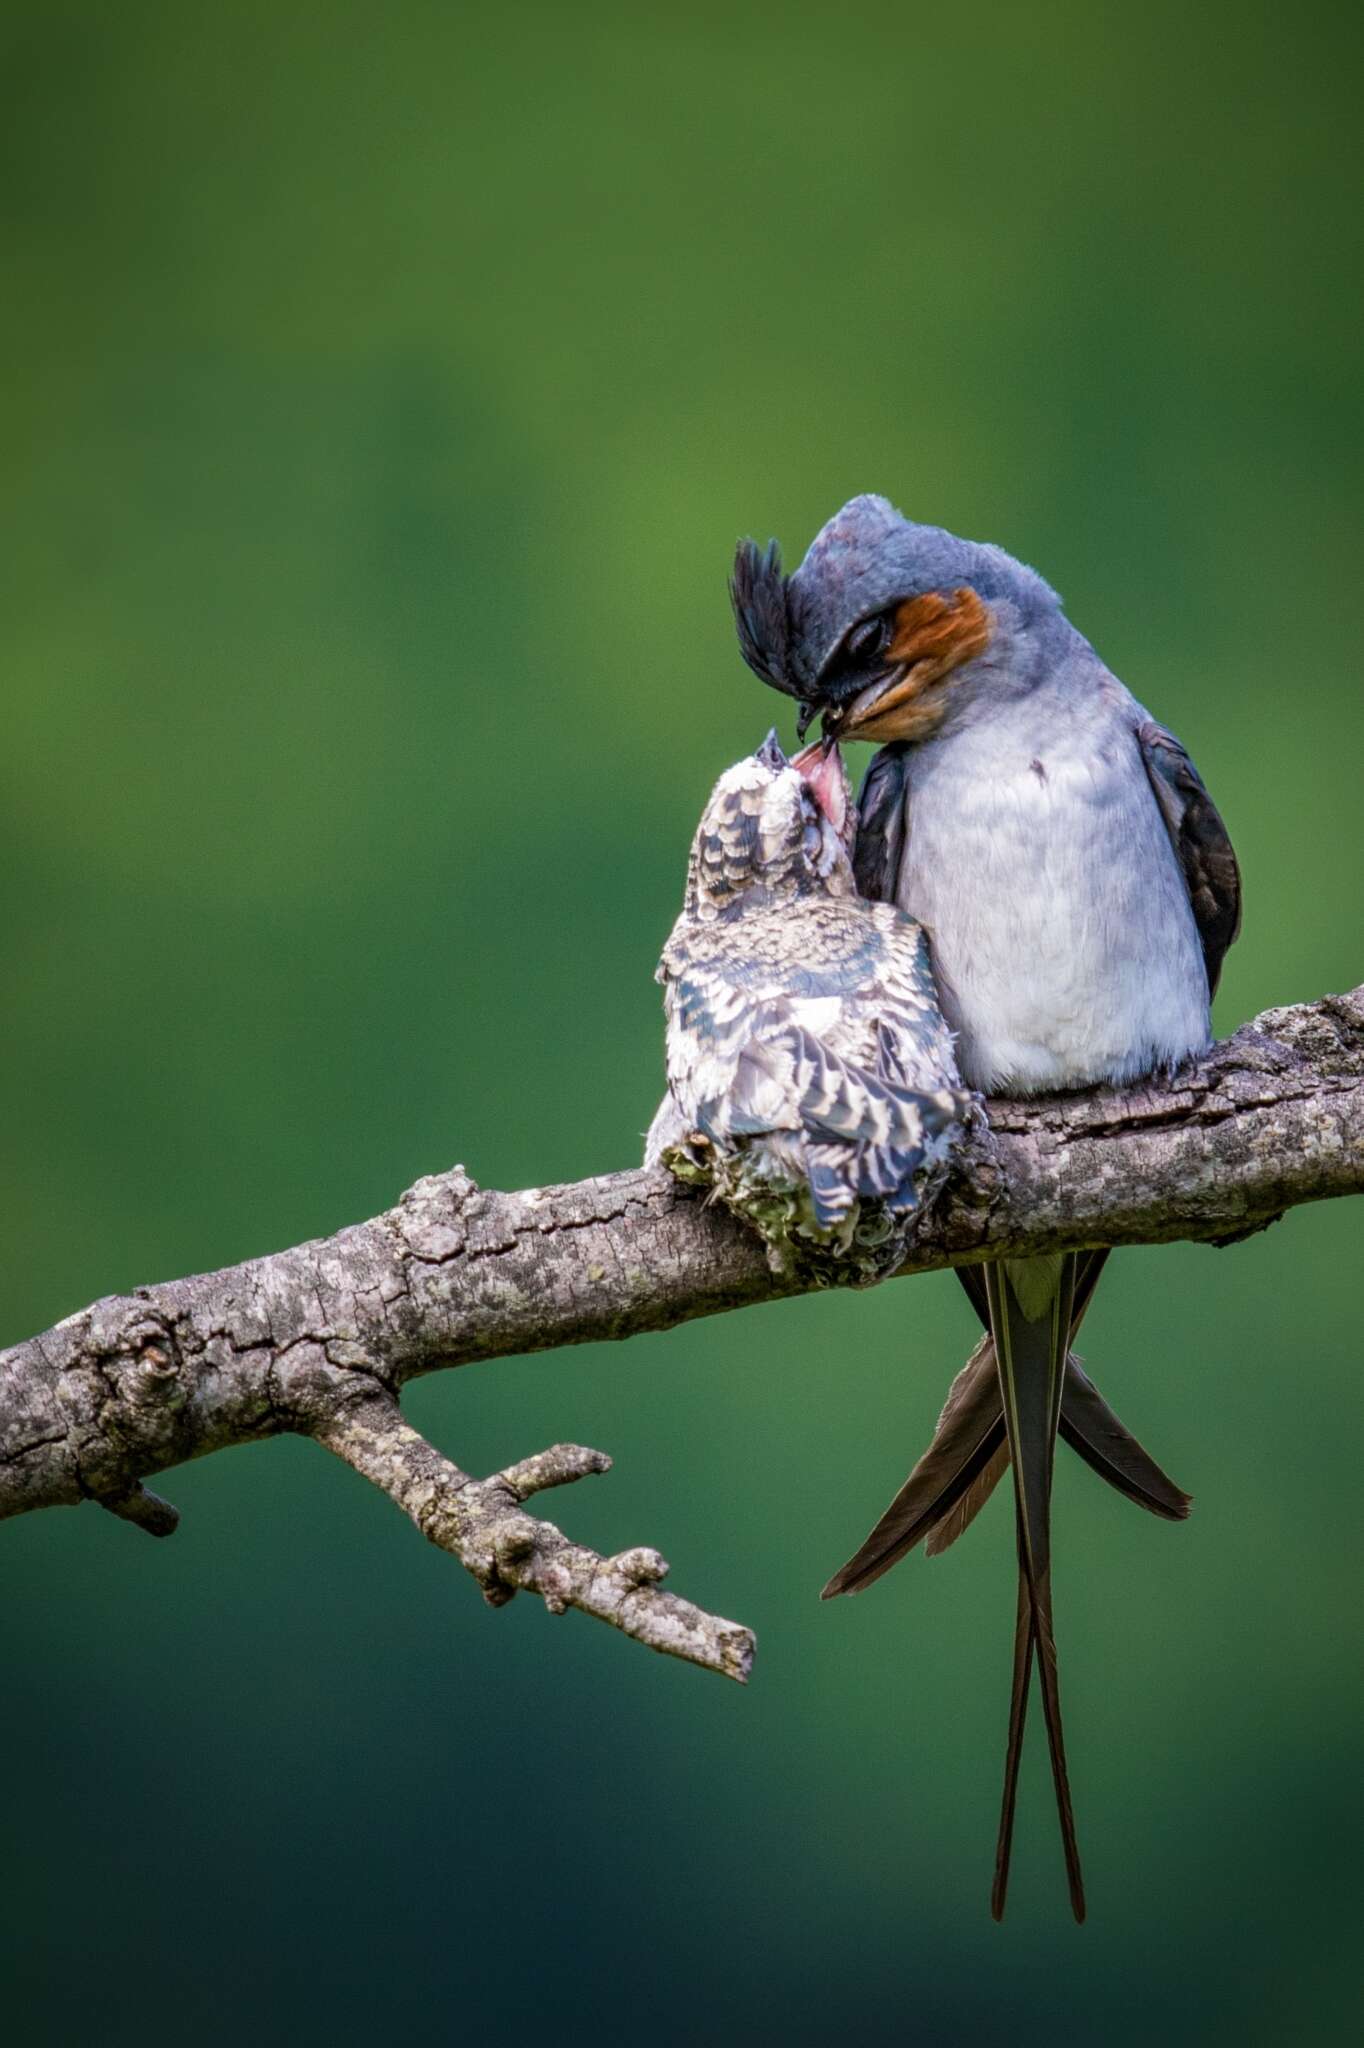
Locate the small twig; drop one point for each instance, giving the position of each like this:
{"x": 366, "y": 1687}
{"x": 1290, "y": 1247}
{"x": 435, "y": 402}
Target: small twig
{"x": 482, "y": 1523}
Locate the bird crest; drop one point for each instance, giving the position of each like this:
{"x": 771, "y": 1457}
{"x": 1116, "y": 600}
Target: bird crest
{"x": 764, "y": 614}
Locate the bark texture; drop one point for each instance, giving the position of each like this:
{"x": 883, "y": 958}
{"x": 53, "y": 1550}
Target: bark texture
{"x": 320, "y": 1339}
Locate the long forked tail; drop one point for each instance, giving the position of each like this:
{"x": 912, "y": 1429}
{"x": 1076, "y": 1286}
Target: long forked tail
{"x": 969, "y": 1453}
{"x": 1031, "y": 1305}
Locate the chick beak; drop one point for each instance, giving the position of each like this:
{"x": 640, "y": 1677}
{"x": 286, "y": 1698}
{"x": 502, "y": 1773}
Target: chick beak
{"x": 821, "y": 766}
{"x": 770, "y": 753}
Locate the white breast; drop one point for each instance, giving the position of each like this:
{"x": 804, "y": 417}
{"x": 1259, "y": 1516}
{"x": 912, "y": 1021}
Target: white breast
{"x": 1063, "y": 939}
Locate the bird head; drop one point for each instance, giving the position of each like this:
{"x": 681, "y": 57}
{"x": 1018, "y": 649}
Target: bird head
{"x": 774, "y": 826}
{"x": 885, "y": 624}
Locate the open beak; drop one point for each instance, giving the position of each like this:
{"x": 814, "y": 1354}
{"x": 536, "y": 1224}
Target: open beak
{"x": 846, "y": 720}
{"x": 822, "y": 768}
{"x": 863, "y": 717}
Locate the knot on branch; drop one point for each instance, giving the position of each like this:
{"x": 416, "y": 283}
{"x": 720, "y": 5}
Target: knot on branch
{"x": 123, "y": 1394}
{"x": 135, "y": 1346}
{"x": 111, "y": 1403}
{"x": 432, "y": 1215}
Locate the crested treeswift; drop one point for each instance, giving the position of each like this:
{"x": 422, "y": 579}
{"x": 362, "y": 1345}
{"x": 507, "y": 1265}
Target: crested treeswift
{"x": 1079, "y": 892}
{"x": 811, "y": 1083}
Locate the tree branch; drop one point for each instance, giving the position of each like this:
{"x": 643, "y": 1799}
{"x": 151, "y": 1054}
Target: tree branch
{"x": 480, "y": 1523}
{"x": 320, "y": 1339}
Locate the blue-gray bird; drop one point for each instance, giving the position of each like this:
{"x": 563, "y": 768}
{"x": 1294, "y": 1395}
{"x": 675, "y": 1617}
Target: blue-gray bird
{"x": 1079, "y": 891}
{"x": 811, "y": 1082}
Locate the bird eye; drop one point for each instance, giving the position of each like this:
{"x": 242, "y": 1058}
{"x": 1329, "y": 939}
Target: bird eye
{"x": 867, "y": 640}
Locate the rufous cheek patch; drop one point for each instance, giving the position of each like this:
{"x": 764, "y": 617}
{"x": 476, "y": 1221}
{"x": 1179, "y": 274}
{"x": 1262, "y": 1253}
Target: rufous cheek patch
{"x": 939, "y": 631}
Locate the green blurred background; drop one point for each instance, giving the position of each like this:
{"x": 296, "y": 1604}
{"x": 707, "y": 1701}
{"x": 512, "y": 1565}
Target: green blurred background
{"x": 383, "y": 393}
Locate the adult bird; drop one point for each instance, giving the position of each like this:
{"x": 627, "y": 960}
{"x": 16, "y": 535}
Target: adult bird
{"x": 1079, "y": 891}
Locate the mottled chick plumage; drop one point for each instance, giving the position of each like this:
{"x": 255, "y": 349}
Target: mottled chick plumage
{"x": 811, "y": 1078}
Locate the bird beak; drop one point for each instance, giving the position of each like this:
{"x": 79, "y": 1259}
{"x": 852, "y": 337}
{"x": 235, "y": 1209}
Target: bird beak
{"x": 865, "y": 716}
{"x": 821, "y": 767}
{"x": 847, "y": 719}
{"x": 770, "y": 753}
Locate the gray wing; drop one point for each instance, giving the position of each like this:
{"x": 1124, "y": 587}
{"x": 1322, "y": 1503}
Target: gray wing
{"x": 1200, "y": 841}
{"x": 865, "y": 1134}
{"x": 881, "y": 825}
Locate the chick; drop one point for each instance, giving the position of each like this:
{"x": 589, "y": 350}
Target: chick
{"x": 811, "y": 1078}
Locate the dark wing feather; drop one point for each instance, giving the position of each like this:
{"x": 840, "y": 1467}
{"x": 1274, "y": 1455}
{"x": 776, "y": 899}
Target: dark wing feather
{"x": 1200, "y": 842}
{"x": 967, "y": 1436}
{"x": 881, "y": 826}
{"x": 1092, "y": 1430}
{"x": 964, "y": 1510}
